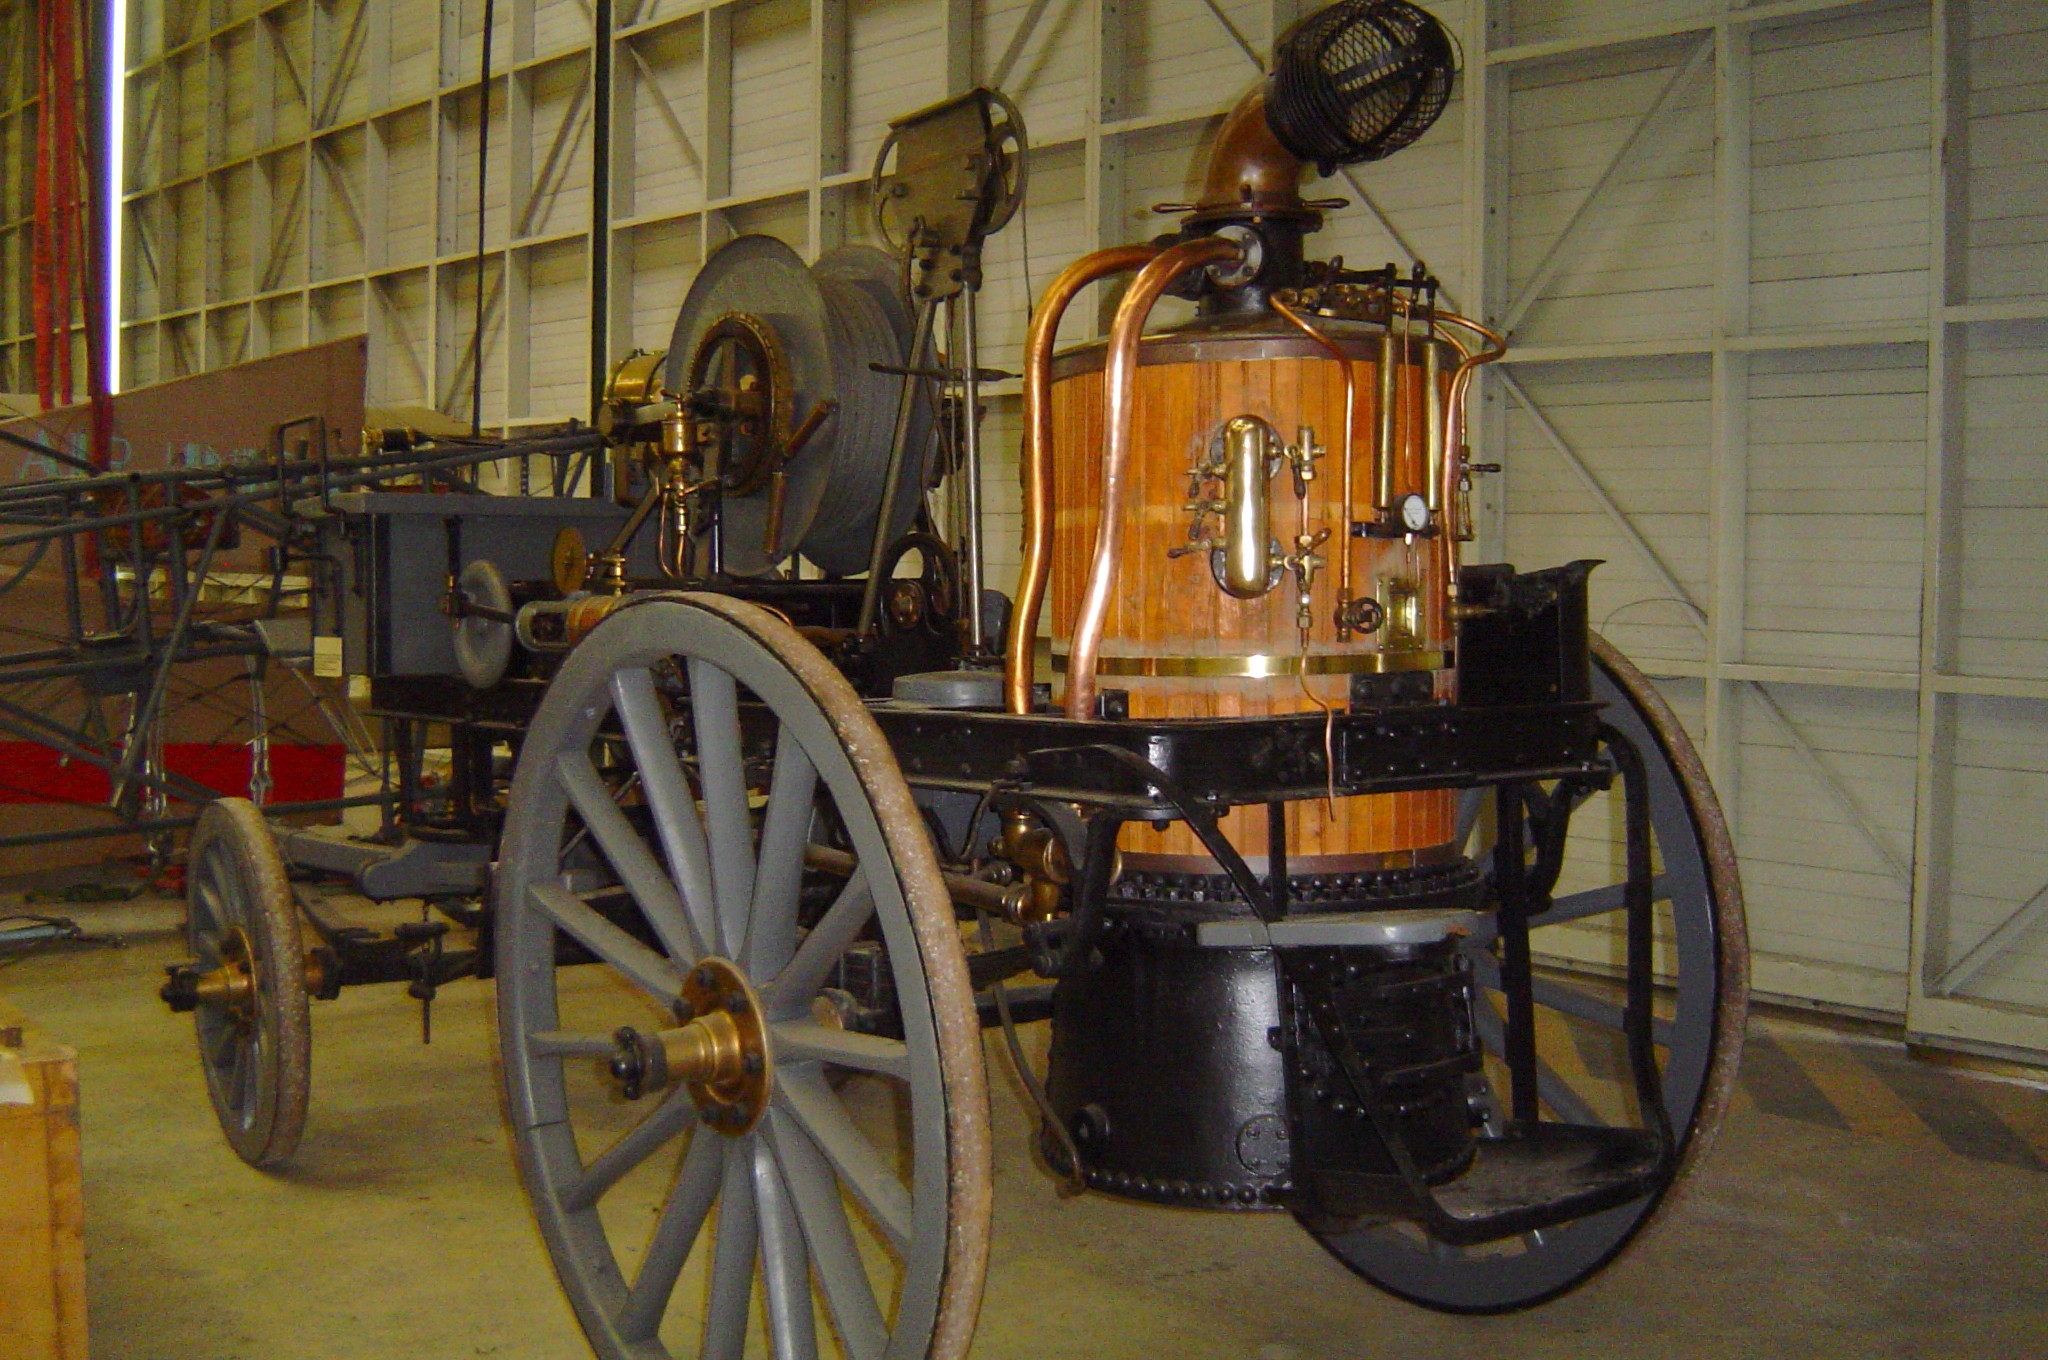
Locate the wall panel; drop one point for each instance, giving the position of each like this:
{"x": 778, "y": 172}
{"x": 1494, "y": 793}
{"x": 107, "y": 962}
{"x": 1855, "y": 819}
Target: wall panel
{"x": 1785, "y": 374}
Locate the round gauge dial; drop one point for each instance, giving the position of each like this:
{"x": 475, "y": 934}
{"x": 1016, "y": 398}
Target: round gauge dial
{"x": 1413, "y": 512}
{"x": 569, "y": 560}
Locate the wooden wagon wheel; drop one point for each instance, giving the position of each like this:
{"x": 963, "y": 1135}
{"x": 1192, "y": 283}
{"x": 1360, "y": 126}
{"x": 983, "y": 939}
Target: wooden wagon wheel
{"x": 1698, "y": 1032}
{"x": 660, "y": 1212}
{"x": 252, "y": 1017}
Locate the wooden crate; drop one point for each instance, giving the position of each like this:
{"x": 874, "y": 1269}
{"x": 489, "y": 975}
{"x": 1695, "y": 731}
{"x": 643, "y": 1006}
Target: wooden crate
{"x": 42, "y": 1203}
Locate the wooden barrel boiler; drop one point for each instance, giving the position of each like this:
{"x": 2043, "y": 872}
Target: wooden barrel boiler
{"x": 1179, "y": 641}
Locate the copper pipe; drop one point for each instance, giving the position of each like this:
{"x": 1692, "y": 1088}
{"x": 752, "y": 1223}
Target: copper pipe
{"x": 1248, "y": 166}
{"x": 1120, "y": 371}
{"x": 1461, "y": 379}
{"x": 1432, "y": 428}
{"x": 1454, "y": 401}
{"x": 1383, "y": 453}
{"x": 1037, "y": 470}
{"x": 1342, "y": 533}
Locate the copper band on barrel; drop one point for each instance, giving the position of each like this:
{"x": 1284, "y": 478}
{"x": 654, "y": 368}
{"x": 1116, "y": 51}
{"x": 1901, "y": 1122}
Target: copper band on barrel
{"x": 1262, "y": 666}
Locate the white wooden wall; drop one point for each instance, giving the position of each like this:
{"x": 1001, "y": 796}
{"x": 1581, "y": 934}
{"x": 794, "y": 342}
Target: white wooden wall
{"x": 18, "y": 112}
{"x": 1775, "y": 272}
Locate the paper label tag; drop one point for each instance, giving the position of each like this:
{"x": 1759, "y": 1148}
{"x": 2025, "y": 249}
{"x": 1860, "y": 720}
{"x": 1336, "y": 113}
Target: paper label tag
{"x": 327, "y": 658}
{"x": 14, "y": 1087}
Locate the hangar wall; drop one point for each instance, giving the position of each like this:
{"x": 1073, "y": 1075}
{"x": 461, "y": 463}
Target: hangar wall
{"x": 1774, "y": 271}
{"x": 19, "y": 106}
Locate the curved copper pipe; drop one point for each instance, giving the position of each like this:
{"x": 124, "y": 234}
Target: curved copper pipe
{"x": 1342, "y": 534}
{"x": 1454, "y": 400}
{"x": 1119, "y": 371}
{"x": 1248, "y": 167}
{"x": 1037, "y": 471}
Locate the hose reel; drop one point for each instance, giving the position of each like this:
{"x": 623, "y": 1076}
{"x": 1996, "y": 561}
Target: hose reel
{"x": 772, "y": 367}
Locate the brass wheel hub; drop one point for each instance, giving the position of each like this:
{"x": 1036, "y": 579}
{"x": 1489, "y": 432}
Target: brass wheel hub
{"x": 721, "y": 1054}
{"x": 232, "y": 986}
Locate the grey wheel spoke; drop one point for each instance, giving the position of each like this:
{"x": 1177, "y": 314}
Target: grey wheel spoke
{"x": 721, "y": 769}
{"x": 806, "y": 1098}
{"x": 1594, "y": 1009}
{"x": 682, "y": 1219}
{"x": 206, "y": 893}
{"x": 1578, "y": 906}
{"x": 674, "y": 806}
{"x": 732, "y": 1257}
{"x": 860, "y": 1221}
{"x": 785, "y": 1268}
{"x": 1470, "y": 803}
{"x": 239, "y": 1079}
{"x": 785, "y": 830}
{"x": 808, "y": 1041}
{"x": 629, "y": 856}
{"x": 1568, "y": 1000}
{"x": 635, "y": 1146}
{"x": 842, "y": 1275}
{"x": 791, "y": 992}
{"x": 220, "y": 1046}
{"x": 658, "y": 976}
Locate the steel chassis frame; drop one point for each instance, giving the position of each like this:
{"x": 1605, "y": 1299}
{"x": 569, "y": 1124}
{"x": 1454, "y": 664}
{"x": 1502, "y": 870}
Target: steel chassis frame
{"x": 120, "y": 533}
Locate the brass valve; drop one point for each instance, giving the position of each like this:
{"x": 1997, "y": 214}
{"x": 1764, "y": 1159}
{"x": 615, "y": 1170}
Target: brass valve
{"x": 1042, "y": 866}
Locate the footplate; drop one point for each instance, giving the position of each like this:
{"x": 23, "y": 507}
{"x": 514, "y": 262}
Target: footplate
{"x": 1374, "y": 1140}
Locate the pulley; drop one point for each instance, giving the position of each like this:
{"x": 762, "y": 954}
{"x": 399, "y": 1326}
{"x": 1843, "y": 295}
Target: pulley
{"x": 776, "y": 361}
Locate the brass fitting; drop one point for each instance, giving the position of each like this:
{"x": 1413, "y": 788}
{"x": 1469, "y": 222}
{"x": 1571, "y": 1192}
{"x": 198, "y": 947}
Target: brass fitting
{"x": 721, "y": 1054}
{"x": 1043, "y": 868}
{"x": 586, "y": 613}
{"x": 705, "y": 1052}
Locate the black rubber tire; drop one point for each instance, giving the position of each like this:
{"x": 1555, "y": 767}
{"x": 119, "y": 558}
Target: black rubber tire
{"x": 259, "y": 1065}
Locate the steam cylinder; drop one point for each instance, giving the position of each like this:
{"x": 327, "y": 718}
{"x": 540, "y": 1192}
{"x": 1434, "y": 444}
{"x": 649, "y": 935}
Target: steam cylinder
{"x": 1178, "y": 643}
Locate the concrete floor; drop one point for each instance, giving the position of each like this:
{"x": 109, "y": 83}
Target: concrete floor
{"x": 1859, "y": 1205}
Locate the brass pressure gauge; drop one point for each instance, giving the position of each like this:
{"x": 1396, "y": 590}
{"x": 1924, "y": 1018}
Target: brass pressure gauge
{"x": 1413, "y": 512}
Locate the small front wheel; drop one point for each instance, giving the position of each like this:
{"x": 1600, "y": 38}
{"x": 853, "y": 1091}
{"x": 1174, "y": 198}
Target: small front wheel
{"x": 251, "y": 1012}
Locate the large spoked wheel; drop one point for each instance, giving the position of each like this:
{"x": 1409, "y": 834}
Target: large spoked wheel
{"x": 687, "y": 756}
{"x": 252, "y": 1017}
{"x": 1702, "y": 962}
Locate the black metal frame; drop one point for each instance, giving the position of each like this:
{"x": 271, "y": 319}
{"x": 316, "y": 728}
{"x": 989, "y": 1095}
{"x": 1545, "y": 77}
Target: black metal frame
{"x": 178, "y": 520}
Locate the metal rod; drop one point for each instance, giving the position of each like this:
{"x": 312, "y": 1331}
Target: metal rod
{"x": 1432, "y": 429}
{"x": 233, "y": 500}
{"x": 970, "y": 431}
{"x": 88, "y": 833}
{"x": 136, "y": 656}
{"x": 35, "y": 728}
{"x": 483, "y": 184}
{"x": 892, "y": 483}
{"x": 145, "y": 716}
{"x": 71, "y": 488}
{"x": 8, "y": 436}
{"x": 1383, "y": 447}
{"x": 602, "y": 54}
{"x": 1516, "y": 975}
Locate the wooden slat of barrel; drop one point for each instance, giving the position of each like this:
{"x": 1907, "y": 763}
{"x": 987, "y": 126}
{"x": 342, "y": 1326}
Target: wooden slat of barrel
{"x": 1171, "y": 606}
